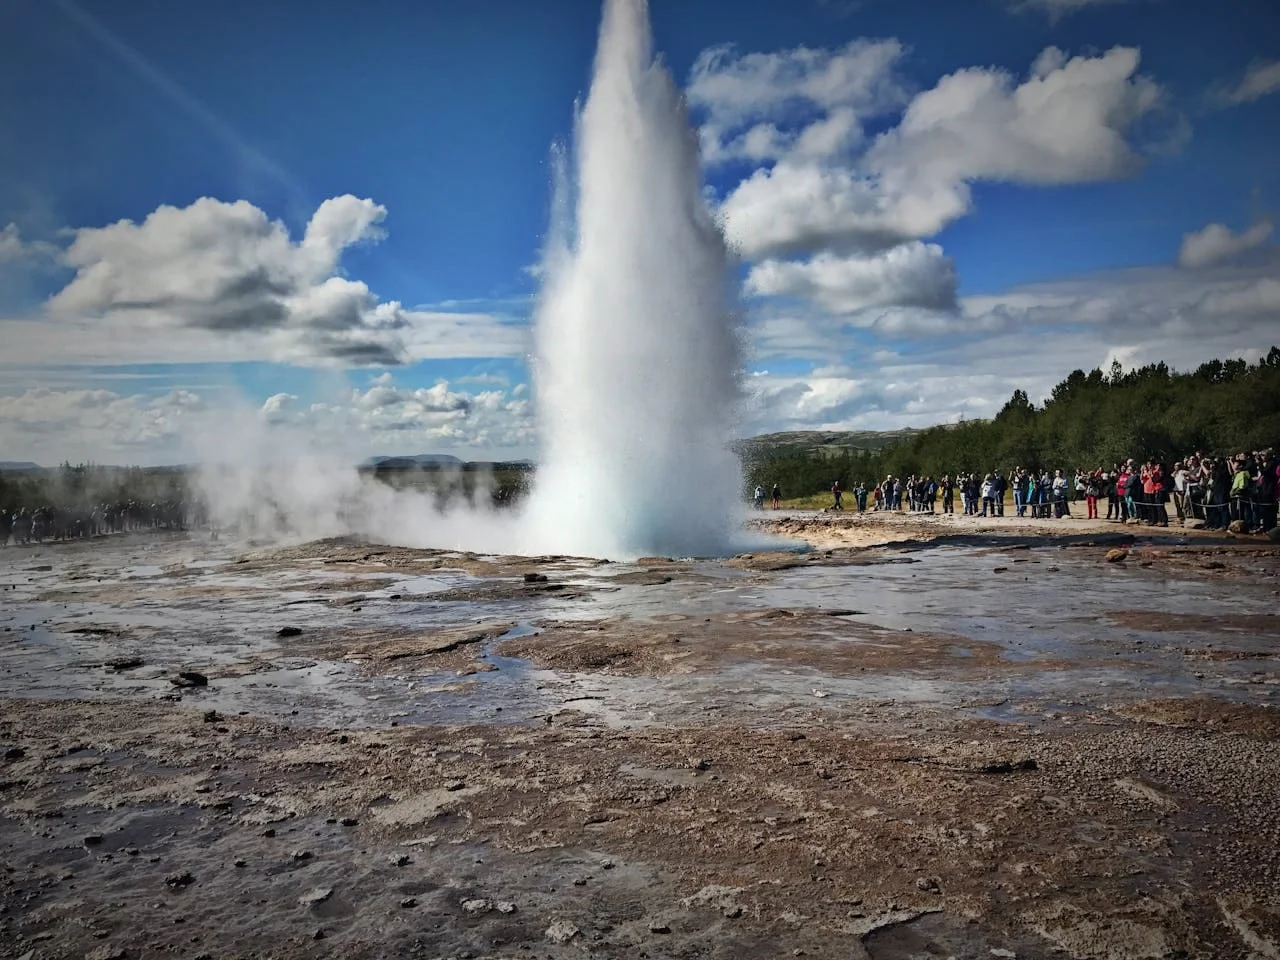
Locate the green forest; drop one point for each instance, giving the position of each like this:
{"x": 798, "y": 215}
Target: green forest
{"x": 1090, "y": 420}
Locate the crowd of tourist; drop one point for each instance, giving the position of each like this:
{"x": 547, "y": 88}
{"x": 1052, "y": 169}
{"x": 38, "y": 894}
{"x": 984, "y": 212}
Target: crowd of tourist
{"x": 49, "y": 523}
{"x": 1236, "y": 492}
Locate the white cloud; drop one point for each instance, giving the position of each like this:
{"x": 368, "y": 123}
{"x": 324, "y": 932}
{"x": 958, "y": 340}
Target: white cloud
{"x": 281, "y": 408}
{"x": 1069, "y": 121}
{"x": 14, "y": 249}
{"x": 1029, "y": 338}
{"x": 222, "y": 282}
{"x": 736, "y": 89}
{"x": 1261, "y": 79}
{"x": 391, "y": 418}
{"x": 1066, "y": 123}
{"x": 428, "y": 400}
{"x": 11, "y": 245}
{"x": 914, "y": 274}
{"x": 1181, "y": 308}
{"x": 228, "y": 269}
{"x": 50, "y": 425}
{"x": 1216, "y": 243}
{"x": 820, "y": 96}
{"x": 800, "y": 207}
{"x": 1253, "y": 299}
{"x": 340, "y": 222}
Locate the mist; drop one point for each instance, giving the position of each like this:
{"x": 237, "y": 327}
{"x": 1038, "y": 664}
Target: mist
{"x": 636, "y": 366}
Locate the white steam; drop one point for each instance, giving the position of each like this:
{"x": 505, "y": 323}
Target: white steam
{"x": 637, "y": 360}
{"x": 637, "y": 343}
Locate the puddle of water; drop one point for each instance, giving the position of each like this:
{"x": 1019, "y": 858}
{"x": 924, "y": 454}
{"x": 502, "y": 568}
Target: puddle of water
{"x": 520, "y": 630}
{"x": 141, "y": 571}
{"x": 1032, "y": 615}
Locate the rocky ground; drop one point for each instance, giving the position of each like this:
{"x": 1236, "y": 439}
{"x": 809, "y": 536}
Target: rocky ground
{"x": 955, "y": 743}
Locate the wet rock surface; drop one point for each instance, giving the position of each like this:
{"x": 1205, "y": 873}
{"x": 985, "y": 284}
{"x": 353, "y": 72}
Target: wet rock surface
{"x": 832, "y": 754}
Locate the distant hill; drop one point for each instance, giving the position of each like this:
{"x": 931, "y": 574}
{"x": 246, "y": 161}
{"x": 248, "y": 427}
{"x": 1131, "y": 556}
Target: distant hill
{"x": 831, "y": 443}
{"x": 405, "y": 462}
{"x": 19, "y": 466}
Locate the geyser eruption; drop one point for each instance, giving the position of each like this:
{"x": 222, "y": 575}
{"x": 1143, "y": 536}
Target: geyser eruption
{"x": 637, "y": 348}
{"x": 636, "y": 372}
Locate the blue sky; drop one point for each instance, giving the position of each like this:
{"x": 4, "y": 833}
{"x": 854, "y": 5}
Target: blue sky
{"x": 442, "y": 115}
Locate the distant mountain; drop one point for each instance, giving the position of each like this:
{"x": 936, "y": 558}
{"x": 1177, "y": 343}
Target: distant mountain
{"x": 402, "y": 462}
{"x": 19, "y": 466}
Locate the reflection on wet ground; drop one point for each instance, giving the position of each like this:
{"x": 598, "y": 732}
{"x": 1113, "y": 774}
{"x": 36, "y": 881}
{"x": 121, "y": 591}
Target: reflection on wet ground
{"x": 1012, "y": 632}
{"x": 970, "y": 747}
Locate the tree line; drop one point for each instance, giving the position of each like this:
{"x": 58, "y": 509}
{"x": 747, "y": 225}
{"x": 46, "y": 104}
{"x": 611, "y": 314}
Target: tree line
{"x": 85, "y": 485}
{"x": 1089, "y": 420}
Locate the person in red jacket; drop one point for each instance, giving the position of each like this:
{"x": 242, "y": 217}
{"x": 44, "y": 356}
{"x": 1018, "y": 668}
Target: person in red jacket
{"x": 1092, "y": 490}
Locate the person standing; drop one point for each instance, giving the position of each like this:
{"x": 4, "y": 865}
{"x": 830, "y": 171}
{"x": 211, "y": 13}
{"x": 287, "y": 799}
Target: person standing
{"x": 1159, "y": 496}
{"x": 1133, "y": 491}
{"x": 987, "y": 492}
{"x": 1060, "y": 488}
{"x": 998, "y": 487}
{"x": 1180, "y": 491}
{"x": 1092, "y": 487}
{"x": 777, "y": 495}
{"x": 948, "y": 494}
{"x": 837, "y": 495}
{"x": 1240, "y": 493}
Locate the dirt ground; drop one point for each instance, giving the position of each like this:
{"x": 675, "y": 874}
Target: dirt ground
{"x": 921, "y": 738}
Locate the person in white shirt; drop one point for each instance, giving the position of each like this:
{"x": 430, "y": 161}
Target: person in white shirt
{"x": 1180, "y": 489}
{"x": 1060, "y": 486}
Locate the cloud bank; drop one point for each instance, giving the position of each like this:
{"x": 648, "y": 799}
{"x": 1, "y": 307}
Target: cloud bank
{"x": 224, "y": 282}
{"x": 193, "y": 425}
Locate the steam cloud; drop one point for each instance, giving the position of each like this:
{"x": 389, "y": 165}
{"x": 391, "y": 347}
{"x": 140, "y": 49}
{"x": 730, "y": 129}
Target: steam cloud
{"x": 638, "y": 355}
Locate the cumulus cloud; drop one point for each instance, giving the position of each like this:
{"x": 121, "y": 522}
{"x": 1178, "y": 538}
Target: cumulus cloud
{"x": 905, "y": 366}
{"x": 51, "y": 425}
{"x": 911, "y": 275}
{"x": 184, "y": 425}
{"x": 1069, "y": 121}
{"x": 11, "y": 245}
{"x": 400, "y": 419}
{"x": 820, "y": 96}
{"x": 222, "y": 282}
{"x": 1066, "y": 123}
{"x": 1216, "y": 243}
{"x": 1153, "y": 302}
{"x": 1260, "y": 79}
{"x": 14, "y": 249}
{"x": 228, "y": 269}
{"x": 797, "y": 208}
{"x": 735, "y": 88}
{"x": 281, "y": 408}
